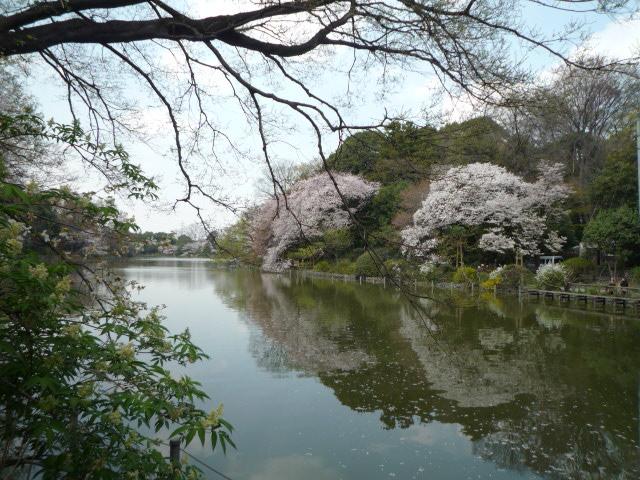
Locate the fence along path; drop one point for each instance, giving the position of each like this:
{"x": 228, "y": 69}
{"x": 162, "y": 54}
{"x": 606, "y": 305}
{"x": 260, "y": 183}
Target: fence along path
{"x": 578, "y": 296}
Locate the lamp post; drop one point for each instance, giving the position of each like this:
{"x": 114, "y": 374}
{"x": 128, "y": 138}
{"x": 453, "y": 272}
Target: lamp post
{"x": 615, "y": 260}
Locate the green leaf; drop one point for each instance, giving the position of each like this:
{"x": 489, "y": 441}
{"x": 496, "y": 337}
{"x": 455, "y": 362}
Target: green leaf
{"x": 179, "y": 431}
{"x": 190, "y": 436}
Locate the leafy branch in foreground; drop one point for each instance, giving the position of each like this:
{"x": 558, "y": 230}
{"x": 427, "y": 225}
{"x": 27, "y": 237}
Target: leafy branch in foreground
{"x": 113, "y": 163}
{"x": 86, "y": 389}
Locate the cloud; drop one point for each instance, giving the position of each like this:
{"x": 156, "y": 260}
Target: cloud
{"x": 295, "y": 466}
{"x": 619, "y": 39}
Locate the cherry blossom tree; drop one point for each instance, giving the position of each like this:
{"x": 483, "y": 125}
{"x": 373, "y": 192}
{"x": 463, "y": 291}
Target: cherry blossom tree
{"x": 309, "y": 209}
{"x": 512, "y": 215}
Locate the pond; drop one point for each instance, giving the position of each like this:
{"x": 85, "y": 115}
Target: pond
{"x": 327, "y": 379}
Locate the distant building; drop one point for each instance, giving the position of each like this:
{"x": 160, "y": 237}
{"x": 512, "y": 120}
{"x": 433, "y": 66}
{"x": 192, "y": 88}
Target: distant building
{"x": 550, "y": 259}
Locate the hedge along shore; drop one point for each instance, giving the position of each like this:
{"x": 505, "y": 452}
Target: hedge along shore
{"x": 375, "y": 280}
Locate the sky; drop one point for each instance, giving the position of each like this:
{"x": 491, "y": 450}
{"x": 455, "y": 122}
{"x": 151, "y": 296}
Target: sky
{"x": 235, "y": 176}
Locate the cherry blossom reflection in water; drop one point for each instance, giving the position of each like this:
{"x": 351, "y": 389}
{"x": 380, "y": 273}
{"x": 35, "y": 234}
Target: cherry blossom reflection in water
{"x": 325, "y": 379}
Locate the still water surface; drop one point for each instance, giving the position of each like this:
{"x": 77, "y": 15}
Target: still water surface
{"x": 330, "y": 380}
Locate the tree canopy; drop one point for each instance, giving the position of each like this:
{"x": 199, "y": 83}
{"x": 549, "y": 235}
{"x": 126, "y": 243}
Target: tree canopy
{"x": 509, "y": 214}
{"x": 471, "y": 46}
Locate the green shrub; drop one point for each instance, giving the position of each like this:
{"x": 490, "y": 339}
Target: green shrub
{"x": 466, "y": 275}
{"x": 307, "y": 252}
{"x": 322, "y": 266}
{"x": 511, "y": 276}
{"x": 365, "y": 265}
{"x": 337, "y": 241}
{"x": 345, "y": 266}
{"x": 493, "y": 279}
{"x": 634, "y": 274}
{"x": 383, "y": 237}
{"x": 398, "y": 267}
{"x": 551, "y": 277}
{"x": 491, "y": 283}
{"x": 434, "y": 272}
{"x": 578, "y": 267}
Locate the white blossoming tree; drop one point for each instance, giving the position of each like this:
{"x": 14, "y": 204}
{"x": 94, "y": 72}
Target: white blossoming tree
{"x": 310, "y": 208}
{"x": 509, "y": 214}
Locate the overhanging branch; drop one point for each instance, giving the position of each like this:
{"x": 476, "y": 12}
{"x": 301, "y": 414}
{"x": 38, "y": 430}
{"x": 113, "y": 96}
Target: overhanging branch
{"x": 15, "y": 40}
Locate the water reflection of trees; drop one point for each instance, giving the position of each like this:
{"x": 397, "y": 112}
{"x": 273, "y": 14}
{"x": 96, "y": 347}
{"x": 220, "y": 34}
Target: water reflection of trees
{"x": 297, "y": 332}
{"x": 533, "y": 386}
{"x": 185, "y": 273}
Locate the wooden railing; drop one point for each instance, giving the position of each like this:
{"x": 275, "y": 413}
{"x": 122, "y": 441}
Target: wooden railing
{"x": 600, "y": 289}
{"x": 598, "y": 299}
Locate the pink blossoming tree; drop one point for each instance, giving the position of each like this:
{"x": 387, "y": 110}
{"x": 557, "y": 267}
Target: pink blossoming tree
{"x": 310, "y": 208}
{"x": 512, "y": 215}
